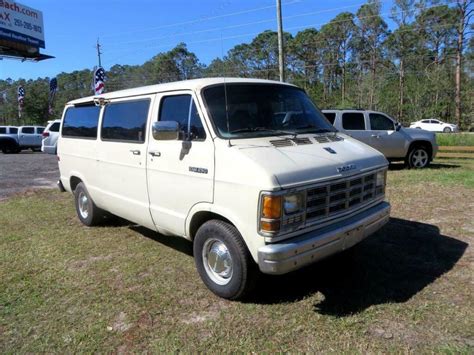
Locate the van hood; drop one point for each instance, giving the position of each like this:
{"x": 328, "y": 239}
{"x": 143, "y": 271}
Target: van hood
{"x": 311, "y": 162}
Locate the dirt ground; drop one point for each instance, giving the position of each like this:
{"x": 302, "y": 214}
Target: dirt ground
{"x": 27, "y": 170}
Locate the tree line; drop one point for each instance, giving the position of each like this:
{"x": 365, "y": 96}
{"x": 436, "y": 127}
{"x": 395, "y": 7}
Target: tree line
{"x": 421, "y": 68}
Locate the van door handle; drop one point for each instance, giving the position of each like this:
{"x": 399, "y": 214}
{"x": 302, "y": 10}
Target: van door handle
{"x": 375, "y": 136}
{"x": 154, "y": 153}
{"x": 135, "y": 151}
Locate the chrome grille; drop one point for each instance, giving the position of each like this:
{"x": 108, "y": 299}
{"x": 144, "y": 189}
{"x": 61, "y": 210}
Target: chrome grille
{"x": 329, "y": 200}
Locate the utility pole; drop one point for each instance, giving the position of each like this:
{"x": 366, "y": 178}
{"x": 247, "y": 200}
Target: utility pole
{"x": 99, "y": 52}
{"x": 281, "y": 54}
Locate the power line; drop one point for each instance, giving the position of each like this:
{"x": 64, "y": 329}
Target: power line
{"x": 202, "y": 19}
{"x": 256, "y": 33}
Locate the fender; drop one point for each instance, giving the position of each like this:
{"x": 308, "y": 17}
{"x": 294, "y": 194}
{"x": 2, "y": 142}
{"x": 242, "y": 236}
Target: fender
{"x": 252, "y": 240}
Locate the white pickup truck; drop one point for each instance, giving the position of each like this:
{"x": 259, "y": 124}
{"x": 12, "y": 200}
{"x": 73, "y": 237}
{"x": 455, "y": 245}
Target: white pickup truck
{"x": 249, "y": 170}
{"x": 16, "y": 139}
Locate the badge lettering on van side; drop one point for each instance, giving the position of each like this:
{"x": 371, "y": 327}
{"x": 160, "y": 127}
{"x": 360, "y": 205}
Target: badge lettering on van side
{"x": 194, "y": 169}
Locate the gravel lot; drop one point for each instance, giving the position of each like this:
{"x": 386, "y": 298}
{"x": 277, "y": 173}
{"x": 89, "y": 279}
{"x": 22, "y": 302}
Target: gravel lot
{"x": 25, "y": 171}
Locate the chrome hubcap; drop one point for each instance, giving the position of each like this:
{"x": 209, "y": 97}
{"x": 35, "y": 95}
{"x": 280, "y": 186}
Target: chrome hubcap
{"x": 419, "y": 158}
{"x": 83, "y": 203}
{"x": 217, "y": 261}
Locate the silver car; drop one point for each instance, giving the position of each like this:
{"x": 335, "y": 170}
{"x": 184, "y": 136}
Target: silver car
{"x": 415, "y": 146}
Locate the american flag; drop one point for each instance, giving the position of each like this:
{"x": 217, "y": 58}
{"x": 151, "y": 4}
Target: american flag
{"x": 21, "y": 95}
{"x": 21, "y": 99}
{"x": 99, "y": 78}
{"x": 53, "y": 87}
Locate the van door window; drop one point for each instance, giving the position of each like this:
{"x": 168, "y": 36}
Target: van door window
{"x": 125, "y": 121}
{"x": 182, "y": 109}
{"x": 81, "y": 122}
{"x": 380, "y": 122}
{"x": 353, "y": 121}
{"x": 39, "y": 130}
{"x": 3, "y": 130}
{"x": 13, "y": 130}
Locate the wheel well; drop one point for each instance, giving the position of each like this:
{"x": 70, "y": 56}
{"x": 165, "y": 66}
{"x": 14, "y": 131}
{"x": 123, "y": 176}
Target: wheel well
{"x": 74, "y": 181}
{"x": 202, "y": 217}
{"x": 422, "y": 144}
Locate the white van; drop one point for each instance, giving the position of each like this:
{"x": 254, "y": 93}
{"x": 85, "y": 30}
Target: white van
{"x": 249, "y": 170}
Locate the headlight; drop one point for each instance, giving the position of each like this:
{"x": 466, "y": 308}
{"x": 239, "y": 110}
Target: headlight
{"x": 293, "y": 203}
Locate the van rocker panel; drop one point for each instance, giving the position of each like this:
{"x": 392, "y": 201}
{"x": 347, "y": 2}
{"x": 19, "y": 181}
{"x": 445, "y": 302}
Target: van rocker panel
{"x": 292, "y": 254}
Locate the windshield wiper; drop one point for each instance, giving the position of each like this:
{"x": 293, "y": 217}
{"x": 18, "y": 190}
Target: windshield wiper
{"x": 317, "y": 130}
{"x": 263, "y": 129}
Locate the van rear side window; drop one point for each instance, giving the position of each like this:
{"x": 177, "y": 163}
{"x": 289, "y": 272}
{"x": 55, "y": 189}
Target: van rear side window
{"x": 81, "y": 122}
{"x": 125, "y": 121}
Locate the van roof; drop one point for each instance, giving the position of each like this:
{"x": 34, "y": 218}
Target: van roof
{"x": 193, "y": 84}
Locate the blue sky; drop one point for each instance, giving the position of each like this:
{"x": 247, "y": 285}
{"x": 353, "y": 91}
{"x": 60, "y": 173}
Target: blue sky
{"x": 133, "y": 31}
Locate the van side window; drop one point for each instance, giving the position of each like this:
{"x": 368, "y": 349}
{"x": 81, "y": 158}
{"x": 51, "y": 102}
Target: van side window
{"x": 353, "y": 121}
{"x": 81, "y": 122}
{"x": 182, "y": 108}
{"x": 13, "y": 130}
{"x": 125, "y": 121}
{"x": 3, "y": 130}
{"x": 39, "y": 130}
{"x": 331, "y": 116}
{"x": 28, "y": 130}
{"x": 380, "y": 122}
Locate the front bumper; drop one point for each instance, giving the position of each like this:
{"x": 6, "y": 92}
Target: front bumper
{"x": 292, "y": 254}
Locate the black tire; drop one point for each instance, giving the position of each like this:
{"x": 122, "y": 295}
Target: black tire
{"x": 218, "y": 237}
{"x": 88, "y": 213}
{"x": 447, "y": 130}
{"x": 418, "y": 157}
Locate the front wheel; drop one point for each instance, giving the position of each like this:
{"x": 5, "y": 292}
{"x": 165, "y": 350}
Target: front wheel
{"x": 223, "y": 260}
{"x": 418, "y": 157}
{"x": 447, "y": 130}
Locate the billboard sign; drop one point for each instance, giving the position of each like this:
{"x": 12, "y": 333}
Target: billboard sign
{"x": 21, "y": 24}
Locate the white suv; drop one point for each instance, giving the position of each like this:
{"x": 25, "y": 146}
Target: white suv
{"x": 50, "y": 137}
{"x": 416, "y": 147}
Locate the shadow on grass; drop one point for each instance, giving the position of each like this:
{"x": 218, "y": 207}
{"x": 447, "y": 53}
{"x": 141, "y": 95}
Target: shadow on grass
{"x": 392, "y": 265}
{"x": 180, "y": 244}
{"x": 432, "y": 166}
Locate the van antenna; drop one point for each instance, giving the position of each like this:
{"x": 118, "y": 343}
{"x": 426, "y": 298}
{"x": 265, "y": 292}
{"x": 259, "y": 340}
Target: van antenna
{"x": 225, "y": 93}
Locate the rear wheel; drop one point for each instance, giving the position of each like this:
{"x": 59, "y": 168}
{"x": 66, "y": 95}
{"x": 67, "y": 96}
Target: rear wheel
{"x": 223, "y": 260}
{"x": 88, "y": 213}
{"x": 418, "y": 157}
{"x": 447, "y": 130}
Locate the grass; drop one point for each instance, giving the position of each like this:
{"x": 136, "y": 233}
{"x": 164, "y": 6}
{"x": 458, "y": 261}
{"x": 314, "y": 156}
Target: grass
{"x": 444, "y": 172}
{"x": 122, "y": 288}
{"x": 455, "y": 139}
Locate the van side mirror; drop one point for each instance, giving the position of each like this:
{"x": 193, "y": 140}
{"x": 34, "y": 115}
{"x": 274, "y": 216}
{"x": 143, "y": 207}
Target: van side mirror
{"x": 165, "y": 130}
{"x": 398, "y": 125}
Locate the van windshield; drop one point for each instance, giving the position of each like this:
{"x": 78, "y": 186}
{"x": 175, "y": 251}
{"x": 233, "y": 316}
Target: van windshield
{"x": 256, "y": 110}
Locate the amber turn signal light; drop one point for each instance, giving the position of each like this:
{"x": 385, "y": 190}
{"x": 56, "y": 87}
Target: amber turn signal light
{"x": 271, "y": 207}
{"x": 273, "y": 226}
